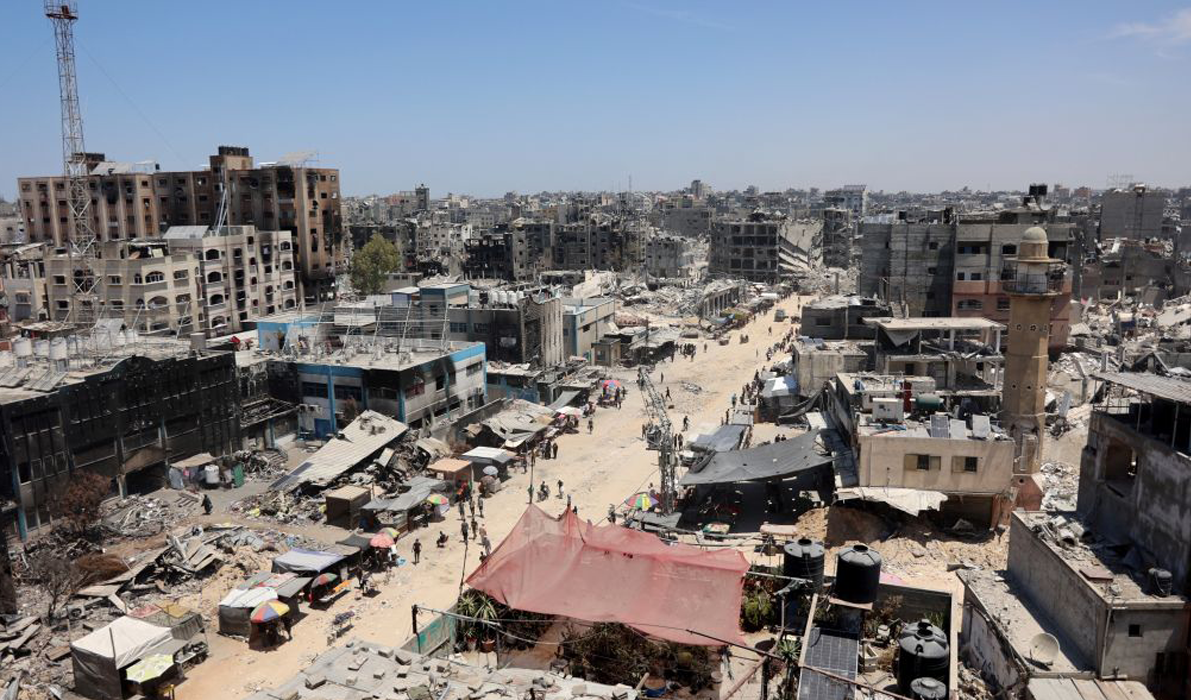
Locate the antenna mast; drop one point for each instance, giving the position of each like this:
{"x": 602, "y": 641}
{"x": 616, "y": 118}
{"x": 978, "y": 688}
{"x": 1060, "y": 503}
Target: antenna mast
{"x": 85, "y": 282}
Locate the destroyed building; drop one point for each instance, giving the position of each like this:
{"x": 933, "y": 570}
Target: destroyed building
{"x": 1070, "y": 605}
{"x": 134, "y": 202}
{"x": 962, "y": 355}
{"x": 516, "y": 327}
{"x": 1148, "y": 271}
{"x": 765, "y": 247}
{"x": 839, "y": 238}
{"x": 668, "y": 256}
{"x": 123, "y": 412}
{"x": 949, "y": 264}
{"x": 842, "y": 317}
{"x": 1137, "y": 212}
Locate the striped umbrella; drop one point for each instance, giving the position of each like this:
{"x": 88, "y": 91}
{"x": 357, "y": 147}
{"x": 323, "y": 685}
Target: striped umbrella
{"x": 641, "y": 501}
{"x": 268, "y": 611}
{"x": 381, "y": 541}
{"x": 390, "y": 531}
{"x": 325, "y": 579}
{"x": 437, "y": 499}
{"x": 150, "y": 667}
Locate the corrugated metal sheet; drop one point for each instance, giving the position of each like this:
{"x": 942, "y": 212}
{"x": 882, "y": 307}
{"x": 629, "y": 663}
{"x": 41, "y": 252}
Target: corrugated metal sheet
{"x": 1169, "y": 388}
{"x": 367, "y": 435}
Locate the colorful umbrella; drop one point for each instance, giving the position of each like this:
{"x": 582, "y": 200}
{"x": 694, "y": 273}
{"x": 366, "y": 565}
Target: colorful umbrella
{"x": 325, "y": 579}
{"x": 381, "y": 541}
{"x": 268, "y": 611}
{"x": 390, "y": 531}
{"x": 641, "y": 501}
{"x": 150, "y": 667}
{"x": 611, "y": 384}
{"x": 437, "y": 499}
{"x": 491, "y": 470}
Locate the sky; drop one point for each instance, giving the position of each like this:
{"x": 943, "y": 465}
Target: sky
{"x": 486, "y": 97}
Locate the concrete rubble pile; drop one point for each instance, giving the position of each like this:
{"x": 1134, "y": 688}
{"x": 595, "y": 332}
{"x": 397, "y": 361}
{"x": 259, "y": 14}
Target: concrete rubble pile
{"x": 1060, "y": 483}
{"x": 264, "y": 464}
{"x": 145, "y": 516}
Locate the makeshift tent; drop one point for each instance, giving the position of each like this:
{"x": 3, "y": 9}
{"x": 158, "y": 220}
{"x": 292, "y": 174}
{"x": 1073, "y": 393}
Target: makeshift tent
{"x": 237, "y": 605}
{"x": 911, "y": 501}
{"x": 182, "y": 622}
{"x": 344, "y": 505}
{"x": 99, "y": 657}
{"x": 724, "y": 438}
{"x": 614, "y": 574}
{"x": 452, "y": 469}
{"x": 794, "y": 457}
{"x": 306, "y": 561}
{"x": 489, "y": 455}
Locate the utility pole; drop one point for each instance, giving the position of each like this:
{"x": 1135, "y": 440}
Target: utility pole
{"x": 85, "y": 282}
{"x": 655, "y": 407}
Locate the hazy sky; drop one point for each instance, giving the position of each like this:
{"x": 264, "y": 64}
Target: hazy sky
{"x": 488, "y": 96}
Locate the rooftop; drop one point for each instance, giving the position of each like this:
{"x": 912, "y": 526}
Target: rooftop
{"x": 937, "y": 324}
{"x": 945, "y": 428}
{"x": 383, "y": 354}
{"x": 1170, "y": 388}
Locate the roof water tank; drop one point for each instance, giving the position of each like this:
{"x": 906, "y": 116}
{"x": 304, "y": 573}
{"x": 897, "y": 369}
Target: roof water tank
{"x": 922, "y": 652}
{"x": 803, "y": 558}
{"x": 58, "y": 349}
{"x": 857, "y": 574}
{"x": 22, "y": 347}
{"x": 928, "y": 689}
{"x": 41, "y": 348}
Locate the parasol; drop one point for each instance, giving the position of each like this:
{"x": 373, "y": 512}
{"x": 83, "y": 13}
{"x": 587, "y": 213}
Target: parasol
{"x": 390, "y": 531}
{"x": 381, "y": 541}
{"x": 611, "y": 384}
{"x": 437, "y": 499}
{"x": 491, "y": 470}
{"x": 268, "y": 611}
{"x": 325, "y": 579}
{"x": 641, "y": 501}
{"x": 150, "y": 667}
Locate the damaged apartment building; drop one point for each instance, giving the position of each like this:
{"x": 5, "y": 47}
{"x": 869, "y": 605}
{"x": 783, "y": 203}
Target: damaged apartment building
{"x": 765, "y": 247}
{"x": 112, "y": 403}
{"x": 941, "y": 263}
{"x": 135, "y": 202}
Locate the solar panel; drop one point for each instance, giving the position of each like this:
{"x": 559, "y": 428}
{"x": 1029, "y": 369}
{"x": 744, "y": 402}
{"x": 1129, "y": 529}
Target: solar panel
{"x": 981, "y": 426}
{"x": 830, "y": 651}
{"x": 940, "y": 426}
{"x": 958, "y": 429}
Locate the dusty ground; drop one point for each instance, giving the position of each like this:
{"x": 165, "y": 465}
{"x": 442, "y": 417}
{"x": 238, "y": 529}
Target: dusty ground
{"x": 597, "y": 470}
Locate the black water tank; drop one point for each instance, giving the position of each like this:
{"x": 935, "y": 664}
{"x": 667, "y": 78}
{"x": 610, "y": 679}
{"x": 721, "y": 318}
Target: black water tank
{"x": 928, "y": 689}
{"x": 804, "y": 559}
{"x": 857, "y": 574}
{"x": 1163, "y": 582}
{"x": 921, "y": 653}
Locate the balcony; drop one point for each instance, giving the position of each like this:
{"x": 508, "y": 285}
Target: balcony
{"x": 1020, "y": 277}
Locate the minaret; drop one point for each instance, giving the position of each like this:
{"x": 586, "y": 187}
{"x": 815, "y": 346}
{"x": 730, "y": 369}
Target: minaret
{"x": 1032, "y": 280}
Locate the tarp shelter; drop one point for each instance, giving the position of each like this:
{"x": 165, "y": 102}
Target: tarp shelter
{"x": 100, "y": 657}
{"x": 519, "y": 422}
{"x": 911, "y": 501}
{"x": 237, "y": 606}
{"x": 613, "y": 574}
{"x": 344, "y": 505}
{"x": 452, "y": 469}
{"x": 182, "y": 622}
{"x": 307, "y": 562}
{"x": 489, "y": 455}
{"x": 724, "y": 438}
{"x": 564, "y": 399}
{"x": 794, "y": 457}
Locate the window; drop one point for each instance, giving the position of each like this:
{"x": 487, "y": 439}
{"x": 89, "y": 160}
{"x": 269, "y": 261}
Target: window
{"x": 1134, "y": 630}
{"x": 932, "y": 245}
{"x": 921, "y": 462}
{"x": 155, "y": 277}
{"x": 931, "y": 270}
{"x": 1009, "y": 249}
{"x": 473, "y": 370}
{"x": 965, "y": 464}
{"x": 479, "y": 327}
{"x": 211, "y": 254}
{"x": 215, "y": 276}
{"x": 970, "y": 305}
{"x": 59, "y": 279}
{"x": 345, "y": 393}
{"x": 113, "y": 279}
{"x": 440, "y": 382}
{"x": 976, "y": 276}
{"x": 823, "y": 321}
{"x": 416, "y": 389}
{"x": 1002, "y": 303}
{"x": 458, "y": 326}
{"x": 314, "y": 390}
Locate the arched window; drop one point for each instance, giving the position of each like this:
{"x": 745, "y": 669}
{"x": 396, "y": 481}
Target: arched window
{"x": 218, "y": 321}
{"x": 216, "y": 299}
{"x": 158, "y": 302}
{"x": 289, "y": 303}
{"x": 215, "y": 276}
{"x": 211, "y": 254}
{"x": 155, "y": 277}
{"x": 137, "y": 279}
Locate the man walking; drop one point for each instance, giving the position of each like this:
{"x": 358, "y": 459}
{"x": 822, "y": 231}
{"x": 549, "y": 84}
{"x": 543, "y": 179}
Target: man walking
{"x": 417, "y": 551}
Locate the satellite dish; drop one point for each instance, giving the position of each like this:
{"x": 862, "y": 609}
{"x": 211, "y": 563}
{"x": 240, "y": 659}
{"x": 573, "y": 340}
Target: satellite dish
{"x": 1044, "y": 648}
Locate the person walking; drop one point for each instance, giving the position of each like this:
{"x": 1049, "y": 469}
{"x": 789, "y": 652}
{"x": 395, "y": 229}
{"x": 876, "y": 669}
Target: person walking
{"x": 208, "y": 506}
{"x": 568, "y": 500}
{"x": 475, "y": 529}
{"x": 462, "y": 515}
{"x": 463, "y": 528}
{"x": 560, "y": 488}
{"x": 417, "y": 551}
{"x": 611, "y": 515}
{"x": 487, "y": 545}
{"x": 471, "y": 505}
{"x": 481, "y": 507}
{"x": 555, "y": 451}
{"x": 590, "y": 425}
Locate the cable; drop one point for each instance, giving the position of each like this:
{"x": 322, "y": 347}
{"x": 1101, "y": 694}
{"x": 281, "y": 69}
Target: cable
{"x": 131, "y": 103}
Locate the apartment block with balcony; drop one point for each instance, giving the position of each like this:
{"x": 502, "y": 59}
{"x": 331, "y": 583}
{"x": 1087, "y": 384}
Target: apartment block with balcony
{"x": 242, "y": 273}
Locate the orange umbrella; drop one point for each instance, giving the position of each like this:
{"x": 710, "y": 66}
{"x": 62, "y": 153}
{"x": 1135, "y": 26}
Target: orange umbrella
{"x": 381, "y": 541}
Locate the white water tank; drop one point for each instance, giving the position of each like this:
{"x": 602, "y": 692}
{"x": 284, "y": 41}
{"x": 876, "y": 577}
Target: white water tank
{"x": 41, "y": 348}
{"x": 58, "y": 350}
{"x": 22, "y": 348}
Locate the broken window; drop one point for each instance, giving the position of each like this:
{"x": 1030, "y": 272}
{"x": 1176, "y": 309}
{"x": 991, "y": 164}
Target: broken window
{"x": 965, "y": 464}
{"x": 922, "y": 462}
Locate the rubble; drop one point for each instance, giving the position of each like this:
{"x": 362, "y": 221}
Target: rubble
{"x": 1060, "y": 483}
{"x": 145, "y": 516}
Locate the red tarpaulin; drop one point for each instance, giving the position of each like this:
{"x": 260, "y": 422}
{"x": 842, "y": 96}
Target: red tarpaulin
{"x": 613, "y": 574}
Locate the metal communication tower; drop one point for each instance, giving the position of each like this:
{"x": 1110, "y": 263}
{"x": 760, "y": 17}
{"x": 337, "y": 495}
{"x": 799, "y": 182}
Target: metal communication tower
{"x": 661, "y": 438}
{"x": 85, "y": 281}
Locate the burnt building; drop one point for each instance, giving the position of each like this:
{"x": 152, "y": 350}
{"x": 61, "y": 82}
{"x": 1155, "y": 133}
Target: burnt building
{"x": 126, "y": 420}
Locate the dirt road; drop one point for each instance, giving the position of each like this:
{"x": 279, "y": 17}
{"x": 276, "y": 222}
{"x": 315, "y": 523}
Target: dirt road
{"x": 597, "y": 470}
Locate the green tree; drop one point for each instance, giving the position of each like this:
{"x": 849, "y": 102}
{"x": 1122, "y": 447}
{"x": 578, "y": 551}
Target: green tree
{"x": 371, "y": 263}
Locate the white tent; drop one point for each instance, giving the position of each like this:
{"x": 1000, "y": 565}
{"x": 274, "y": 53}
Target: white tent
{"x": 237, "y": 605}
{"x": 99, "y": 657}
